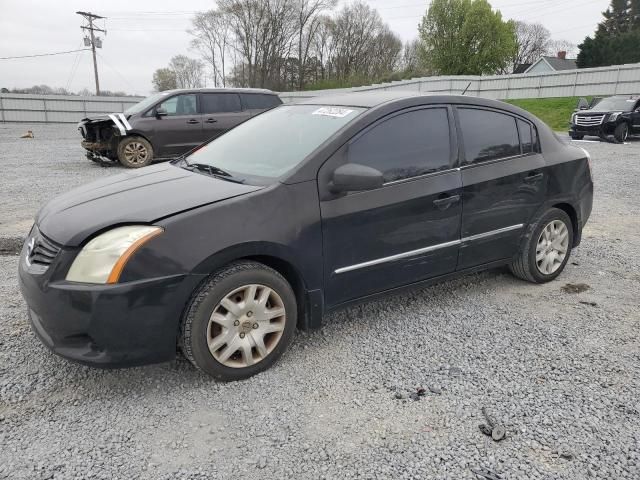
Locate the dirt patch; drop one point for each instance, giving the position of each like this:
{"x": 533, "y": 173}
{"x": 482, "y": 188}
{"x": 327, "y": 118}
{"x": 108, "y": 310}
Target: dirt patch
{"x": 573, "y": 288}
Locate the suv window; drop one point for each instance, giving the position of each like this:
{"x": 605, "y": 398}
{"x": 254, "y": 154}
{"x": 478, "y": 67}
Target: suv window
{"x": 488, "y": 135}
{"x": 180, "y": 105}
{"x": 220, "y": 102}
{"x": 260, "y": 101}
{"x": 406, "y": 145}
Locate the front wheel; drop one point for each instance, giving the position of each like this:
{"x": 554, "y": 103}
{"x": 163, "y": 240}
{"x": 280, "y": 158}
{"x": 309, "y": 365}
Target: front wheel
{"x": 621, "y": 133}
{"x": 546, "y": 252}
{"x": 240, "y": 321}
{"x": 135, "y": 152}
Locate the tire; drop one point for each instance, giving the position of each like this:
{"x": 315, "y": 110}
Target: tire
{"x": 135, "y": 152}
{"x": 530, "y": 263}
{"x": 576, "y": 136}
{"x": 236, "y": 350}
{"x": 621, "y": 133}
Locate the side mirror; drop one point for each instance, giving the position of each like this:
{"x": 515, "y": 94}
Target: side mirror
{"x": 353, "y": 177}
{"x": 161, "y": 112}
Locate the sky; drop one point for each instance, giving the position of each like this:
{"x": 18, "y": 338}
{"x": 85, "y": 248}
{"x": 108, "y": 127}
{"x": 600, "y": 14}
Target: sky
{"x": 143, "y": 35}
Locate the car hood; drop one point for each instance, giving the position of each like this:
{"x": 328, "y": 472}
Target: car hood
{"x": 143, "y": 196}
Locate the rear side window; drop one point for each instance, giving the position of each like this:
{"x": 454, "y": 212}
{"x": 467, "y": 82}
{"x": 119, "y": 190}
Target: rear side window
{"x": 259, "y": 101}
{"x": 526, "y": 137}
{"x": 406, "y": 145}
{"x": 220, "y": 102}
{"x": 488, "y": 135}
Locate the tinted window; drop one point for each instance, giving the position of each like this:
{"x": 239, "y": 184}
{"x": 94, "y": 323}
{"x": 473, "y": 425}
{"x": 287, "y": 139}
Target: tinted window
{"x": 220, "y": 102}
{"x": 259, "y": 101}
{"x": 488, "y": 135}
{"x": 180, "y": 105}
{"x": 407, "y": 145}
{"x": 526, "y": 137}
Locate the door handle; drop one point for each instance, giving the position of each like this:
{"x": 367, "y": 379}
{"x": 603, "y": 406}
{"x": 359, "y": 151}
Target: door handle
{"x": 193, "y": 121}
{"x": 446, "y": 202}
{"x": 533, "y": 177}
{"x": 211, "y": 120}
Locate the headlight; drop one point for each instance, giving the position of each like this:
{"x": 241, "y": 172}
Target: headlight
{"x": 103, "y": 258}
{"x": 573, "y": 118}
{"x": 614, "y": 116}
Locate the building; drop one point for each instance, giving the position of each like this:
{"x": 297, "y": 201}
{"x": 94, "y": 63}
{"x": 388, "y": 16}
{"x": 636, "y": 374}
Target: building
{"x": 553, "y": 64}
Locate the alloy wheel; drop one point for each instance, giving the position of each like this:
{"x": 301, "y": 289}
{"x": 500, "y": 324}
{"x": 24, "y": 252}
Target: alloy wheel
{"x": 552, "y": 248}
{"x": 246, "y": 326}
{"x": 136, "y": 152}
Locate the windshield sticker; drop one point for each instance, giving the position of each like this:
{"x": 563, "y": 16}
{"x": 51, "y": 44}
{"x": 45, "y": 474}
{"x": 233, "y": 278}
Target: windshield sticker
{"x": 333, "y": 112}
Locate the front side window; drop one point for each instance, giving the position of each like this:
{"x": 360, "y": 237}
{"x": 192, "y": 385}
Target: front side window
{"x": 273, "y": 143}
{"x": 488, "y": 135}
{"x": 180, "y": 105}
{"x": 220, "y": 103}
{"x": 407, "y": 145}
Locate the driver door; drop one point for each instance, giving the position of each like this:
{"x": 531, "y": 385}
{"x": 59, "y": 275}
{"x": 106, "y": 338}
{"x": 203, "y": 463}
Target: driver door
{"x": 406, "y": 231}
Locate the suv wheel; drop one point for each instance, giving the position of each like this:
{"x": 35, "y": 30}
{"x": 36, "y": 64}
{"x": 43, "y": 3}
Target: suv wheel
{"x": 546, "y": 252}
{"x": 135, "y": 152}
{"x": 621, "y": 133}
{"x": 239, "y": 322}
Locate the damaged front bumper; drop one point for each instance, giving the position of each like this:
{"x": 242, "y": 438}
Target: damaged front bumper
{"x": 101, "y": 135}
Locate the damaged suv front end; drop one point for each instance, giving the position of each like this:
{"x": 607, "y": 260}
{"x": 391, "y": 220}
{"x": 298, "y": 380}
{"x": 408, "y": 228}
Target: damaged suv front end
{"x": 101, "y": 135}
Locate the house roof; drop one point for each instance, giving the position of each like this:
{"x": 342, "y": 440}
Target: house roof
{"x": 521, "y": 68}
{"x": 556, "y": 63}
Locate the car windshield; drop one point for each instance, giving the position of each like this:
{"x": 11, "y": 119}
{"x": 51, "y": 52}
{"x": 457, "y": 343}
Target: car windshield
{"x": 274, "y": 142}
{"x": 615, "y": 104}
{"x": 146, "y": 103}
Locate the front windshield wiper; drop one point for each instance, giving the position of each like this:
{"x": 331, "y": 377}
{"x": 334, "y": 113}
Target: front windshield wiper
{"x": 213, "y": 171}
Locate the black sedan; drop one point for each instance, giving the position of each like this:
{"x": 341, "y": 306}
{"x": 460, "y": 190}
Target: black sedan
{"x": 298, "y": 211}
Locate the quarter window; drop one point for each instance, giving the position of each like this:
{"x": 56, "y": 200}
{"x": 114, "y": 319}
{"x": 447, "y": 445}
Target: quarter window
{"x": 407, "y": 145}
{"x": 220, "y": 102}
{"x": 180, "y": 105}
{"x": 488, "y": 135}
{"x": 526, "y": 137}
{"x": 259, "y": 101}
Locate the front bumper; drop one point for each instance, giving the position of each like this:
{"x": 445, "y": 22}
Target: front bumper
{"x": 133, "y": 323}
{"x": 601, "y": 130}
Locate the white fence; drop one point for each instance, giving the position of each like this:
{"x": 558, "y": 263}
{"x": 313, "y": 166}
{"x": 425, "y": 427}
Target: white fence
{"x": 602, "y": 81}
{"x": 616, "y": 80}
{"x": 18, "y": 107}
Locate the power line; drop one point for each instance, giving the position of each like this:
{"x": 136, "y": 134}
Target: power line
{"x": 90, "y": 17}
{"x": 44, "y": 54}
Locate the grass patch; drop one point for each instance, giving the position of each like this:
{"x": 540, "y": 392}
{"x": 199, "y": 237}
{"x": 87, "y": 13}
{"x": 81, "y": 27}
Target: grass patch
{"x": 555, "y": 112}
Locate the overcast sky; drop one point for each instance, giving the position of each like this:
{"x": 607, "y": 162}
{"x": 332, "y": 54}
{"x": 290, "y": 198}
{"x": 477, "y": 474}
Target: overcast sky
{"x": 143, "y": 35}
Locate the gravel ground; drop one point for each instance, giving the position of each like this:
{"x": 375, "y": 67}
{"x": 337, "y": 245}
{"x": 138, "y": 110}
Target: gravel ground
{"x": 560, "y": 370}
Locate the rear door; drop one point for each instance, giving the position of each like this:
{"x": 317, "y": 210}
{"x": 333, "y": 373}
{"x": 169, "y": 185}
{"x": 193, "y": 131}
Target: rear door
{"x": 409, "y": 229}
{"x": 221, "y": 112}
{"x": 504, "y": 183}
{"x": 179, "y": 130}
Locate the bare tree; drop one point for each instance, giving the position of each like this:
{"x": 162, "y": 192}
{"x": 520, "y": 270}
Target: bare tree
{"x": 532, "y": 41}
{"x": 555, "y": 46}
{"x": 212, "y": 37}
{"x": 188, "y": 71}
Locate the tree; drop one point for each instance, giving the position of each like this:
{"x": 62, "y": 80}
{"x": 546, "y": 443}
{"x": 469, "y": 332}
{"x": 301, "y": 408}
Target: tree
{"x": 212, "y": 39}
{"x": 617, "y": 38}
{"x": 164, "y": 79}
{"x": 188, "y": 71}
{"x": 466, "y": 37}
{"x": 532, "y": 42}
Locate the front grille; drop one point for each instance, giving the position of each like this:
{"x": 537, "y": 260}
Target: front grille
{"x": 41, "y": 250}
{"x": 589, "y": 120}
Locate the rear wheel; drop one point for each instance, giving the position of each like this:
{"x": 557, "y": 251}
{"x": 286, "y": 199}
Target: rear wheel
{"x": 240, "y": 321}
{"x": 135, "y": 152}
{"x": 546, "y": 252}
{"x": 621, "y": 133}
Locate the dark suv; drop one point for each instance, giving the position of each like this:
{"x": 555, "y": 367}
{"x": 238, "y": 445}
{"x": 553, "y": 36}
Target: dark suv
{"x": 169, "y": 124}
{"x": 298, "y": 211}
{"x": 618, "y": 116}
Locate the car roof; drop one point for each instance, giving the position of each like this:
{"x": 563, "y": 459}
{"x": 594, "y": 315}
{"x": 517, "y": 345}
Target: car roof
{"x": 223, "y": 90}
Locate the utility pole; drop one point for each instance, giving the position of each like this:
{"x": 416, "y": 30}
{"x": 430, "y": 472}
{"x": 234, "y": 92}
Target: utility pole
{"x": 90, "y": 17}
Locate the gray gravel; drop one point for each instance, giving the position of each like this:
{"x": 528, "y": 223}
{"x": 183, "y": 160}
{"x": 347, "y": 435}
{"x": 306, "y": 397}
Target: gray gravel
{"x": 560, "y": 371}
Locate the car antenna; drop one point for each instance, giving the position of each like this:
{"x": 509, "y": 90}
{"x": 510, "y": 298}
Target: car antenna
{"x": 465, "y": 90}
